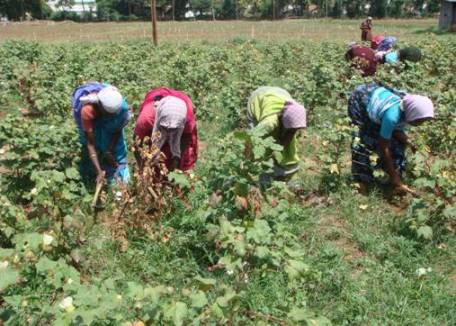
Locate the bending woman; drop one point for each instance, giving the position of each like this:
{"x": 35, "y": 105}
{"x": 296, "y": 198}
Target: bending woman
{"x": 101, "y": 113}
{"x": 381, "y": 115}
{"x": 170, "y": 113}
{"x": 274, "y": 110}
{"x": 362, "y": 58}
{"x": 412, "y": 54}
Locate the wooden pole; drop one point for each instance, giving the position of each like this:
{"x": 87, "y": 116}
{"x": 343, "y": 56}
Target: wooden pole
{"x": 153, "y": 14}
{"x": 273, "y": 10}
{"x": 174, "y": 9}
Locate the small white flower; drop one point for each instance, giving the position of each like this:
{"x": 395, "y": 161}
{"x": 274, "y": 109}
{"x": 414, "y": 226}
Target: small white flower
{"x": 70, "y": 281}
{"x": 421, "y": 271}
{"x": 33, "y": 191}
{"x": 229, "y": 272}
{"x": 119, "y": 195}
{"x": 429, "y": 269}
{"x": 4, "y": 264}
{"x": 118, "y": 297}
{"x": 67, "y": 304}
{"x": 47, "y": 239}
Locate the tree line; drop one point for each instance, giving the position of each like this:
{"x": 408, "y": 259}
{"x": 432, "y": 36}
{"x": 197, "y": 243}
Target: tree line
{"x": 219, "y": 9}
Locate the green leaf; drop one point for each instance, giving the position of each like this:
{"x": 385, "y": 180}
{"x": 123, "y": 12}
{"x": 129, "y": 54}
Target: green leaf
{"x": 296, "y": 268}
{"x": 260, "y": 232}
{"x": 262, "y": 252}
{"x": 6, "y": 253}
{"x": 177, "y": 312}
{"x": 258, "y": 152}
{"x": 179, "y": 179}
{"x": 319, "y": 321}
{"x": 298, "y": 314}
{"x": 198, "y": 299}
{"x": 31, "y": 241}
{"x": 8, "y": 278}
{"x": 72, "y": 173}
{"x": 425, "y": 232}
{"x": 224, "y": 301}
{"x": 45, "y": 264}
{"x": 449, "y": 212}
{"x": 241, "y": 135}
{"x": 205, "y": 284}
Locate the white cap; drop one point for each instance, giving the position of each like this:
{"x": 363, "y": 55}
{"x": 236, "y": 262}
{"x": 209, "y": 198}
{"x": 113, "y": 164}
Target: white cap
{"x": 110, "y": 99}
{"x": 369, "y": 18}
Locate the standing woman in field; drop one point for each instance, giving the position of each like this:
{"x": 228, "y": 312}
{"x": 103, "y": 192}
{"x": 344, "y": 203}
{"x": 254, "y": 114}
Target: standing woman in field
{"x": 366, "y": 30}
{"x": 167, "y": 117}
{"x": 273, "y": 110}
{"x": 101, "y": 113}
{"x": 380, "y": 115}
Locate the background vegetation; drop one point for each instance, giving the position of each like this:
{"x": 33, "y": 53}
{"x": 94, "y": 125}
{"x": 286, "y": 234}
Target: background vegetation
{"x": 223, "y": 9}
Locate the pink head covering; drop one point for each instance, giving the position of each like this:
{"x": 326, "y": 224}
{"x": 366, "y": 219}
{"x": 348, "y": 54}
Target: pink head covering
{"x": 294, "y": 116}
{"x": 417, "y": 107}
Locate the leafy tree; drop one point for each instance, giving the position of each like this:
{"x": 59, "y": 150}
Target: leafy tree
{"x": 227, "y": 9}
{"x": 396, "y": 8}
{"x": 337, "y": 9}
{"x": 355, "y": 8}
{"x": 378, "y": 8}
{"x": 17, "y": 9}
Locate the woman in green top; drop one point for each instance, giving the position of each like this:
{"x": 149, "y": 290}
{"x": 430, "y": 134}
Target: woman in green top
{"x": 274, "y": 110}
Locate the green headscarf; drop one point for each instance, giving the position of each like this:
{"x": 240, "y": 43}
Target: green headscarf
{"x": 410, "y": 54}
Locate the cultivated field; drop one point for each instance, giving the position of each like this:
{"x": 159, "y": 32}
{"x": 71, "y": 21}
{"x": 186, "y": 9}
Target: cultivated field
{"x": 219, "y": 31}
{"x": 217, "y": 247}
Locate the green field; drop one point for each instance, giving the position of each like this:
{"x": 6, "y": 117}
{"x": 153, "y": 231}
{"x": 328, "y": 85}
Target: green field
{"x": 223, "y": 249}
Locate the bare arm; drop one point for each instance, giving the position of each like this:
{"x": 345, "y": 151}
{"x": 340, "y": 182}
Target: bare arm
{"x": 394, "y": 176}
{"x": 93, "y": 155}
{"x": 402, "y": 137}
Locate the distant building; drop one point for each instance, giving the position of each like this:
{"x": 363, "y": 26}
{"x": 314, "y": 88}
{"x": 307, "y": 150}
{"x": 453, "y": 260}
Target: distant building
{"x": 447, "y": 20}
{"x": 78, "y": 7}
{"x": 189, "y": 15}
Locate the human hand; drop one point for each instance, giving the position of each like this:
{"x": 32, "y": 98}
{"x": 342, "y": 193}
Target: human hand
{"x": 101, "y": 177}
{"x": 403, "y": 189}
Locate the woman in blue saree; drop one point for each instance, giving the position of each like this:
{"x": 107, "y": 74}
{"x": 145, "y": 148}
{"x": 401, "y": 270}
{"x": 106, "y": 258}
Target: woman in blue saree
{"x": 101, "y": 113}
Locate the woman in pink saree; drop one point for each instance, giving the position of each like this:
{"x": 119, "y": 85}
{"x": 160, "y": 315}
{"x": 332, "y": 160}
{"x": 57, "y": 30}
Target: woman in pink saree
{"x": 169, "y": 113}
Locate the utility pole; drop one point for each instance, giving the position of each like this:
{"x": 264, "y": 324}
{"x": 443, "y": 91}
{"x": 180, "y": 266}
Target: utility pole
{"x": 153, "y": 14}
{"x": 273, "y": 10}
{"x": 174, "y": 9}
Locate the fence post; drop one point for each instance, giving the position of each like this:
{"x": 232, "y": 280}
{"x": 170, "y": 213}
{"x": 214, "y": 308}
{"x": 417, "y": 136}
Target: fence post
{"x": 153, "y": 14}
